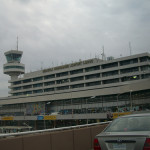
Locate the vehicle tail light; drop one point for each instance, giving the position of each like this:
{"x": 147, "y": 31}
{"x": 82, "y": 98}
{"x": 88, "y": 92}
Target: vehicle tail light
{"x": 96, "y": 144}
{"x": 147, "y": 144}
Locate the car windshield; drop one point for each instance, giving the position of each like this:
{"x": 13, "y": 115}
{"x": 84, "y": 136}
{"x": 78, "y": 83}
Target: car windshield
{"x": 129, "y": 124}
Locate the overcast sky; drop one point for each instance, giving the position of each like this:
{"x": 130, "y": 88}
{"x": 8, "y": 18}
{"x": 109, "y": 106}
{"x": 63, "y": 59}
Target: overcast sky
{"x": 55, "y": 32}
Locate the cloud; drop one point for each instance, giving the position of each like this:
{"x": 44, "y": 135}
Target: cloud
{"x": 64, "y": 31}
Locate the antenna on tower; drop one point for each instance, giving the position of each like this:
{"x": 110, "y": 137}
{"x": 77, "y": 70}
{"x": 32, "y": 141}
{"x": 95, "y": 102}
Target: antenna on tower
{"x": 130, "y": 48}
{"x": 17, "y": 43}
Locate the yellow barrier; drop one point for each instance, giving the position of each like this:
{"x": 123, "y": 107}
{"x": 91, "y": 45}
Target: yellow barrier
{"x": 116, "y": 114}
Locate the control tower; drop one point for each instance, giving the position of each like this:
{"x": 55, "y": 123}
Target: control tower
{"x": 13, "y": 67}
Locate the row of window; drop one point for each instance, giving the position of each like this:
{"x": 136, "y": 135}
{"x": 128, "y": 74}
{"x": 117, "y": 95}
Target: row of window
{"x": 110, "y": 81}
{"x": 104, "y": 74}
{"x": 13, "y": 57}
{"x": 13, "y": 67}
{"x": 87, "y": 77}
{"x": 98, "y": 99}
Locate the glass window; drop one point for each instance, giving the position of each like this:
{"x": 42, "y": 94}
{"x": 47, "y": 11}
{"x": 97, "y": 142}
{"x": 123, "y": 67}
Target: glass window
{"x": 49, "y": 76}
{"x": 62, "y": 81}
{"x": 127, "y": 62}
{"x": 13, "y": 57}
{"x": 110, "y": 73}
{"x": 76, "y": 71}
{"x": 129, "y": 124}
{"x": 38, "y": 79}
{"x": 63, "y": 88}
{"x": 92, "y": 68}
{"x": 128, "y": 70}
{"x": 77, "y": 86}
{"x": 110, "y": 65}
{"x": 144, "y": 68}
{"x": 145, "y": 58}
{"x": 49, "y": 90}
{"x": 77, "y": 79}
{"x": 37, "y": 85}
{"x": 38, "y": 91}
{"x": 61, "y": 74}
{"x": 13, "y": 67}
{"x": 110, "y": 81}
{"x": 92, "y": 76}
{"x": 93, "y": 83}
{"x": 17, "y": 82}
{"x": 49, "y": 83}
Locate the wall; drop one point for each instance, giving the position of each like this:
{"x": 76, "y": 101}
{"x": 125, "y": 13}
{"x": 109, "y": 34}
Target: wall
{"x": 75, "y": 139}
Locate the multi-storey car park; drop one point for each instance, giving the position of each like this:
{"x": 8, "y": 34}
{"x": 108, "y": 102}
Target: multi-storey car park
{"x": 76, "y": 93}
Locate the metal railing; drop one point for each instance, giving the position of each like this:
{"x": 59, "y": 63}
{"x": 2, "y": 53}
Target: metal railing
{"x": 50, "y": 130}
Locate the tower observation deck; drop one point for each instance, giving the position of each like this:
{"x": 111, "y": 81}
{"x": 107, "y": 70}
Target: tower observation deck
{"x": 13, "y": 67}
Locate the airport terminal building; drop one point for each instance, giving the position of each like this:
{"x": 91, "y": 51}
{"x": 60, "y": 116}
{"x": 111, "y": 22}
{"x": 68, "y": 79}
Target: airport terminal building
{"x": 75, "y": 93}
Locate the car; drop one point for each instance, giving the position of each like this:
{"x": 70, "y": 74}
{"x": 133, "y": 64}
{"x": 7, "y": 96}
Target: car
{"x": 130, "y": 132}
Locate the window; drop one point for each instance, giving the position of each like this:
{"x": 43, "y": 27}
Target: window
{"x": 77, "y": 79}
{"x": 38, "y": 79}
{"x": 38, "y": 91}
{"x": 77, "y": 86}
{"x": 49, "y": 90}
{"x": 92, "y": 76}
{"x": 49, "y": 76}
{"x": 130, "y": 78}
{"x": 110, "y": 65}
{"x": 13, "y": 57}
{"x": 128, "y": 70}
{"x": 27, "y": 80}
{"x": 93, "y": 83}
{"x": 144, "y": 68}
{"x": 92, "y": 68}
{"x": 110, "y": 81}
{"x": 28, "y": 92}
{"x": 27, "y": 87}
{"x": 37, "y": 85}
{"x": 110, "y": 73}
{"x": 127, "y": 62}
{"x": 62, "y": 81}
{"x": 49, "y": 83}
{"x": 17, "y": 82}
{"x": 145, "y": 58}
{"x": 61, "y": 74}
{"x": 76, "y": 71}
{"x": 144, "y": 76}
{"x": 13, "y": 67}
{"x": 63, "y": 88}
{"x": 16, "y": 88}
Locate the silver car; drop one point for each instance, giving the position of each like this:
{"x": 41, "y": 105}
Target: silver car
{"x": 130, "y": 132}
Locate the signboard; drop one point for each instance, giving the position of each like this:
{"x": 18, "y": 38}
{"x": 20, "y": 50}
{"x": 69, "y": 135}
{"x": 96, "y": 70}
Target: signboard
{"x": 51, "y": 117}
{"x": 40, "y": 117}
{"x": 7, "y": 118}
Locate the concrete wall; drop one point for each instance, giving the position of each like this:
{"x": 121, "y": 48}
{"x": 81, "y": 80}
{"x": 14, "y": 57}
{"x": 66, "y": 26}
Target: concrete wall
{"x": 75, "y": 139}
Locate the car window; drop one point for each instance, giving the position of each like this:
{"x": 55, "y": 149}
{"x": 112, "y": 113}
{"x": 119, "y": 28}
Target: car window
{"x": 129, "y": 124}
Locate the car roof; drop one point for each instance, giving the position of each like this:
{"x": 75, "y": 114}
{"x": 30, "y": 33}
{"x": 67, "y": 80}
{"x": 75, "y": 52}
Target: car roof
{"x": 136, "y": 115}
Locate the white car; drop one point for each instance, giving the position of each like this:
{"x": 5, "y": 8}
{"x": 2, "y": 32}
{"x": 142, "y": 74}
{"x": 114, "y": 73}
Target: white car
{"x": 130, "y": 132}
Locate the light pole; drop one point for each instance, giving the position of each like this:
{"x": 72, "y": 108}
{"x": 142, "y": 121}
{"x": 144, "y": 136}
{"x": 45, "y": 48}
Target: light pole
{"x": 44, "y": 113}
{"x": 87, "y": 121}
{"x": 130, "y": 100}
{"x": 26, "y": 125}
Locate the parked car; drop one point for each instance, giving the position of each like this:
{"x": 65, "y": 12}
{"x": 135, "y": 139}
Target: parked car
{"x": 131, "y": 132}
